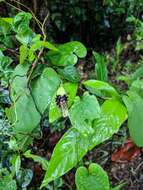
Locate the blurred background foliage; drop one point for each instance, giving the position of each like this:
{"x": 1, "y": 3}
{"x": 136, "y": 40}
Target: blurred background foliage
{"x": 96, "y": 23}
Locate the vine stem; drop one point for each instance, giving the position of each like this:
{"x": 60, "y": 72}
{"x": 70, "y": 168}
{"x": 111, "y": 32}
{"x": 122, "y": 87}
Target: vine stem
{"x": 19, "y": 3}
{"x": 12, "y": 6}
{"x": 41, "y": 51}
{"x": 34, "y": 64}
{"x": 42, "y": 28}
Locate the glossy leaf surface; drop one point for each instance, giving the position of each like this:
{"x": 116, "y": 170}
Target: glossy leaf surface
{"x": 77, "y": 141}
{"x": 113, "y": 114}
{"x": 67, "y": 153}
{"x": 101, "y": 89}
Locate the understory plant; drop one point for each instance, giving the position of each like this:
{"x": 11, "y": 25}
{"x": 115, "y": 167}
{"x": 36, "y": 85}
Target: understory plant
{"x": 43, "y": 82}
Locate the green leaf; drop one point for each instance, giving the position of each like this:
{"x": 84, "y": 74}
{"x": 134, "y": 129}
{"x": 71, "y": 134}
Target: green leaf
{"x": 23, "y": 126}
{"x": 92, "y": 178}
{"x": 54, "y": 112}
{"x": 44, "y": 88}
{"x": 5, "y": 70}
{"x": 75, "y": 47}
{"x": 8, "y": 184}
{"x": 38, "y": 159}
{"x": 119, "y": 47}
{"x": 134, "y": 104}
{"x": 101, "y": 89}
{"x": 5, "y": 61}
{"x": 19, "y": 81}
{"x": 5, "y": 31}
{"x": 137, "y": 74}
{"x": 21, "y": 22}
{"x": 71, "y": 90}
{"x": 86, "y": 108}
{"x": 21, "y": 27}
{"x": 67, "y": 153}
{"x": 83, "y": 112}
{"x": 13, "y": 144}
{"x": 70, "y": 73}
{"x": 75, "y": 144}
{"x": 37, "y": 45}
{"x": 137, "y": 86}
{"x": 23, "y": 53}
{"x": 67, "y": 55}
{"x": 113, "y": 114}
{"x": 25, "y": 38}
{"x": 6, "y": 181}
{"x": 16, "y": 162}
{"x": 24, "y": 177}
{"x": 100, "y": 67}
{"x": 6, "y": 25}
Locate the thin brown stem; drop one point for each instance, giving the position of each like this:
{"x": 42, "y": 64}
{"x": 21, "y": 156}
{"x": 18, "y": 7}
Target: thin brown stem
{"x": 37, "y": 21}
{"x": 35, "y": 63}
{"x": 35, "y": 10}
{"x": 41, "y": 51}
{"x": 9, "y": 4}
{"x": 43, "y": 26}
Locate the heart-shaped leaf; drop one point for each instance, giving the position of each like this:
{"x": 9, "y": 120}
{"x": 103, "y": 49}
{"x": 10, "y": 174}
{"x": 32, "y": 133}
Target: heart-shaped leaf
{"x": 68, "y": 54}
{"x": 92, "y": 178}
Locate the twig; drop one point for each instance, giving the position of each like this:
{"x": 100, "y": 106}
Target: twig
{"x": 35, "y": 10}
{"x": 38, "y": 21}
{"x": 13, "y": 6}
{"x": 43, "y": 26}
{"x": 35, "y": 18}
{"x": 41, "y": 51}
{"x": 34, "y": 64}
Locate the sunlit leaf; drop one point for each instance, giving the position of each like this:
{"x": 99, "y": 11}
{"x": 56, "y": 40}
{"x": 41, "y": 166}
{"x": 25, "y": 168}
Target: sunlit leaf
{"x": 23, "y": 53}
{"x": 109, "y": 122}
{"x": 101, "y": 89}
{"x": 76, "y": 143}
{"x": 69, "y": 151}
